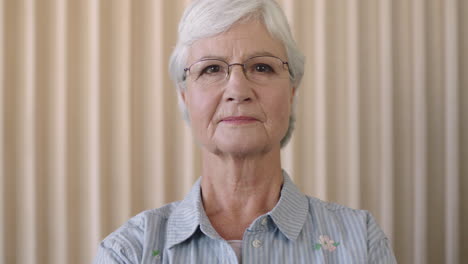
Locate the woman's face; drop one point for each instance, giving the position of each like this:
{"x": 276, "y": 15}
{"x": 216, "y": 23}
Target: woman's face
{"x": 238, "y": 116}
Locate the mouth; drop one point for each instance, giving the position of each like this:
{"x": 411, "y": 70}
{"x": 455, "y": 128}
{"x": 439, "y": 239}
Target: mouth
{"x": 239, "y": 120}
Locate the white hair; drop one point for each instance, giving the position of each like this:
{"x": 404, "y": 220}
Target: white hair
{"x": 207, "y": 18}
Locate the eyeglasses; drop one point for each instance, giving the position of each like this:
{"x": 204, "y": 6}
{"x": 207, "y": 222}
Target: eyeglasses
{"x": 259, "y": 69}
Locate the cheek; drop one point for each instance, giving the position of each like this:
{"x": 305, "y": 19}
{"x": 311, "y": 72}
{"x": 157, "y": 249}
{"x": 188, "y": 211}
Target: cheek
{"x": 282, "y": 110}
{"x": 278, "y": 107}
{"x": 201, "y": 107}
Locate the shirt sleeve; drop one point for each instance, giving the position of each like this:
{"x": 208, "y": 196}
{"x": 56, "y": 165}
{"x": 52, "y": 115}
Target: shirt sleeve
{"x": 112, "y": 252}
{"x": 381, "y": 252}
{"x": 124, "y": 246}
{"x": 379, "y": 248}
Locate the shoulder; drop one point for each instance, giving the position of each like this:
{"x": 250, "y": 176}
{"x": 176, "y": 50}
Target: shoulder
{"x": 126, "y": 244}
{"x": 354, "y": 226}
{"x": 135, "y": 227}
{"x": 340, "y": 212}
{"x": 357, "y": 219}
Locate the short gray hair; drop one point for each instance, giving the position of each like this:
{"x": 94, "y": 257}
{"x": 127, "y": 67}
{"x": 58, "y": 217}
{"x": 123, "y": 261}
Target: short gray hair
{"x": 207, "y": 18}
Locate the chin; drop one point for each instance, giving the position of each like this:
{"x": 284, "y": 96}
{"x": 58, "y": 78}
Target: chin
{"x": 244, "y": 148}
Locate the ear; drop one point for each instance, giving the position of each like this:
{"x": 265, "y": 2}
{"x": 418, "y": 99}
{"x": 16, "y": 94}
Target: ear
{"x": 182, "y": 100}
{"x": 182, "y": 94}
{"x": 293, "y": 93}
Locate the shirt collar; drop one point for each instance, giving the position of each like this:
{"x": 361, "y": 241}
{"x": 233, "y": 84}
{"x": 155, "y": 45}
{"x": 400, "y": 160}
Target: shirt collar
{"x": 289, "y": 214}
{"x": 185, "y": 218}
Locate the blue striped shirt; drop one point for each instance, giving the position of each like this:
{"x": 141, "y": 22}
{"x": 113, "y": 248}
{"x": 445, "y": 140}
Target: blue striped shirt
{"x": 299, "y": 229}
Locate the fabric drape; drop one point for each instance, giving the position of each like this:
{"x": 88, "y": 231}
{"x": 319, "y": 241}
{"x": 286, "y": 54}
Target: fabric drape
{"x": 91, "y": 133}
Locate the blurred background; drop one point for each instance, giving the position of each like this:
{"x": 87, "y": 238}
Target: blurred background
{"x": 91, "y": 134}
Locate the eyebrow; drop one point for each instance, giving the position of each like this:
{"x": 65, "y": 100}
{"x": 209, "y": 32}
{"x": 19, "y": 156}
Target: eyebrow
{"x": 251, "y": 55}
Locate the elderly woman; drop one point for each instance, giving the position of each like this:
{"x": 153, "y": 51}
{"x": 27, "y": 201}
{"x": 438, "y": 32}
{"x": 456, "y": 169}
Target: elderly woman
{"x": 237, "y": 69}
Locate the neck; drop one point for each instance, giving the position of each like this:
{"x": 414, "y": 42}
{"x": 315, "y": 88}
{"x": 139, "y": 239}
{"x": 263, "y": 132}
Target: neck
{"x": 236, "y": 191}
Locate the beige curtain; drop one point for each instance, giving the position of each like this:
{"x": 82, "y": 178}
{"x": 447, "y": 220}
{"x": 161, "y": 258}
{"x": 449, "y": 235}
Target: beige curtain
{"x": 90, "y": 132}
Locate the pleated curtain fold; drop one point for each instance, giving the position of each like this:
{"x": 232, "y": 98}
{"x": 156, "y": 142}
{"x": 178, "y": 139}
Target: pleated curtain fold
{"x": 91, "y": 133}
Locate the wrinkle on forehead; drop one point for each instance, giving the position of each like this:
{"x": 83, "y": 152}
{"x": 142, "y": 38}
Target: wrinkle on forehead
{"x": 224, "y": 58}
{"x": 243, "y": 40}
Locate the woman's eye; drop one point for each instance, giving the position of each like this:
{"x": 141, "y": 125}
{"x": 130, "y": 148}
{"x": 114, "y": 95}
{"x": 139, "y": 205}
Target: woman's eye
{"x": 212, "y": 69}
{"x": 263, "y": 68}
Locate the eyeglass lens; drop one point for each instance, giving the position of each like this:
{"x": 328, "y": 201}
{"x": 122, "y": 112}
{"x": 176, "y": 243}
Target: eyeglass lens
{"x": 261, "y": 69}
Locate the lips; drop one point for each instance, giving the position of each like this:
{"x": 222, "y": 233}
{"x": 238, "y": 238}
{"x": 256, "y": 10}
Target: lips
{"x": 239, "y": 119}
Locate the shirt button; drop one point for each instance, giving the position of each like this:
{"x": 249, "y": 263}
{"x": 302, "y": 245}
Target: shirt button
{"x": 264, "y": 221}
{"x": 257, "y": 243}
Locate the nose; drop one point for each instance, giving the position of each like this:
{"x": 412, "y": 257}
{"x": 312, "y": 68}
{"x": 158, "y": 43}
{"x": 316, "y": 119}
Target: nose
{"x": 238, "y": 87}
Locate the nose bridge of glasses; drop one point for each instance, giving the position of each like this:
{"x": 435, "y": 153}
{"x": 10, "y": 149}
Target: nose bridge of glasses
{"x": 236, "y": 64}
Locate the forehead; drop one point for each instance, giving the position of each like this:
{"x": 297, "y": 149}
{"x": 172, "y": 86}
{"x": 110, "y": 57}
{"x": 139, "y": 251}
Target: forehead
{"x": 243, "y": 40}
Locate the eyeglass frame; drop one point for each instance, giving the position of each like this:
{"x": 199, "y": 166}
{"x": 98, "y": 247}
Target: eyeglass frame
{"x": 233, "y": 64}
